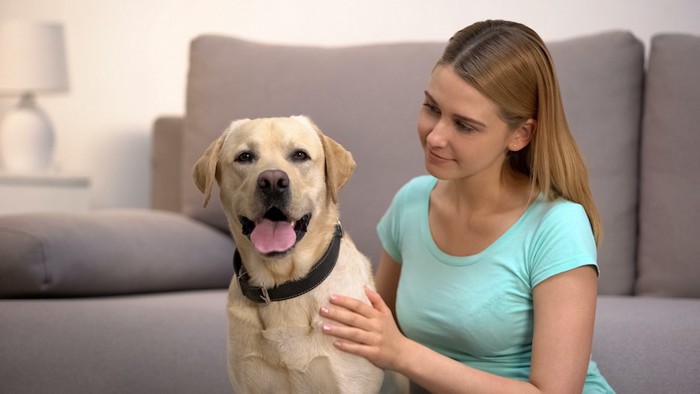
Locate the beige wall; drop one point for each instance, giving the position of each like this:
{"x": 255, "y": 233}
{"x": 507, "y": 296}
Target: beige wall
{"x": 128, "y": 59}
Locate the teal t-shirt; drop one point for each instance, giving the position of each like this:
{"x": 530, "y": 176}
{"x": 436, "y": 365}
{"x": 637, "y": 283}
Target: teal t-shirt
{"x": 478, "y": 309}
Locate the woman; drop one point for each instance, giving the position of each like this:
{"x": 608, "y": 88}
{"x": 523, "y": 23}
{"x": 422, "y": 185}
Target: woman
{"x": 489, "y": 264}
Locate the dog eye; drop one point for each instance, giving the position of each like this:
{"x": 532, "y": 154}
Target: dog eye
{"x": 300, "y": 155}
{"x": 245, "y": 157}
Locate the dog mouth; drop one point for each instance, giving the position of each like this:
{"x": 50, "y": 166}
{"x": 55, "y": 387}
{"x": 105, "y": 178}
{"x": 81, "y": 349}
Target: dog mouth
{"x": 275, "y": 234}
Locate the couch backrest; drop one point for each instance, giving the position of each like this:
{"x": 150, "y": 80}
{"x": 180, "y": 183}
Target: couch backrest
{"x": 669, "y": 247}
{"x": 368, "y": 97}
{"x": 602, "y": 80}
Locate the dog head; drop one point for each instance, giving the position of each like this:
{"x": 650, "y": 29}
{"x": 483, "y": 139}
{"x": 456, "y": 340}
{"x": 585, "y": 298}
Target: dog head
{"x": 275, "y": 176}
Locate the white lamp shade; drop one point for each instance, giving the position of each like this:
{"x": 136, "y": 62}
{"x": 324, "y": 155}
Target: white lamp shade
{"x": 32, "y": 57}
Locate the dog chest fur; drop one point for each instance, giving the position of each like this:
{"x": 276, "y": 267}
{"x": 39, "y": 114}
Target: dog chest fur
{"x": 283, "y": 340}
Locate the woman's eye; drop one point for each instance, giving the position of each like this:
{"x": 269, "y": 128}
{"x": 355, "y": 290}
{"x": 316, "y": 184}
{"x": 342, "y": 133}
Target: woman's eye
{"x": 463, "y": 127}
{"x": 245, "y": 157}
{"x": 300, "y": 155}
{"x": 431, "y": 107}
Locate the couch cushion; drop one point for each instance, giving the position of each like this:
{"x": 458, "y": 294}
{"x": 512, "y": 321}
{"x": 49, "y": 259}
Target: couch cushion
{"x": 648, "y": 344}
{"x": 669, "y": 247}
{"x": 105, "y": 253}
{"x": 172, "y": 343}
{"x": 602, "y": 80}
{"x": 368, "y": 97}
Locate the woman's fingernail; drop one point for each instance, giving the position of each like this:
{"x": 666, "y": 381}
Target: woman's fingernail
{"x": 324, "y": 310}
{"x": 326, "y": 328}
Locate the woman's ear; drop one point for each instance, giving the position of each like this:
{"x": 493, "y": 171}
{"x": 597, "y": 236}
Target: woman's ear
{"x": 522, "y": 135}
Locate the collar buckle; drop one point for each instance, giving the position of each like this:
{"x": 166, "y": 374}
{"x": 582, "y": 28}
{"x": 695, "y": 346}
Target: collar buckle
{"x": 265, "y": 295}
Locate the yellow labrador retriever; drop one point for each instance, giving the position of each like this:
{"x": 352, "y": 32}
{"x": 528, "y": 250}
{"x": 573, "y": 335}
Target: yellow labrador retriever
{"x": 279, "y": 180}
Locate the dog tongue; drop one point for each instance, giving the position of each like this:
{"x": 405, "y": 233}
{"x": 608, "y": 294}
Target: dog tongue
{"x": 273, "y": 236}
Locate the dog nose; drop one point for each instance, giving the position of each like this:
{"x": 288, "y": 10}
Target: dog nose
{"x": 273, "y": 181}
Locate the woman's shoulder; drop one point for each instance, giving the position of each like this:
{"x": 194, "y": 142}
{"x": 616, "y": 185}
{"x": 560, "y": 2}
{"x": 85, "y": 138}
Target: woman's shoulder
{"x": 415, "y": 191}
{"x": 557, "y": 208}
{"x": 419, "y": 184}
{"x": 558, "y": 213}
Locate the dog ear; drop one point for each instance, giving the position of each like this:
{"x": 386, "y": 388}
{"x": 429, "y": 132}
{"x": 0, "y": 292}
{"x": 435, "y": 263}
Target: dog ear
{"x": 204, "y": 172}
{"x": 339, "y": 165}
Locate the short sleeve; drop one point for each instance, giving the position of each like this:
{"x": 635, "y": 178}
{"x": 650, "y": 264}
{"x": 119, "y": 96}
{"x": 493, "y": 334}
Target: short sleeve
{"x": 563, "y": 241}
{"x": 388, "y": 229}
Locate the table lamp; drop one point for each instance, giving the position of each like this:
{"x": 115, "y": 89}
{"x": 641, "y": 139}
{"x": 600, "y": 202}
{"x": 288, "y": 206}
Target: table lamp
{"x": 32, "y": 60}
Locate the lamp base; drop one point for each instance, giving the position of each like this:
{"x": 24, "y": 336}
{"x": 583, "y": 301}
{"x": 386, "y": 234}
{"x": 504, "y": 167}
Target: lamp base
{"x": 26, "y": 138}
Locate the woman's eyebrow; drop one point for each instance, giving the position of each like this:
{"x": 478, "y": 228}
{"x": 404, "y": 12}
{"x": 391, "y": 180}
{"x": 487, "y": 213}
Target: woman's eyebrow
{"x": 457, "y": 116}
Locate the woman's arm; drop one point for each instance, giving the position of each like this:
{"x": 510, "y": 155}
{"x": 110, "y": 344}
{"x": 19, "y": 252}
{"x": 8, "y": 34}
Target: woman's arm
{"x": 386, "y": 280}
{"x": 564, "y": 307}
{"x": 564, "y": 315}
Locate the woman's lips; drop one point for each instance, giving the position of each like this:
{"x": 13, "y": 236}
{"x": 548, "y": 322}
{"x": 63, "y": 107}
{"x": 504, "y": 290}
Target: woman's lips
{"x": 436, "y": 158}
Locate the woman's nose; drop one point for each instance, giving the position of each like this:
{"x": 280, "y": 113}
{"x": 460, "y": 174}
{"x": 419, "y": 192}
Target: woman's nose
{"x": 438, "y": 135}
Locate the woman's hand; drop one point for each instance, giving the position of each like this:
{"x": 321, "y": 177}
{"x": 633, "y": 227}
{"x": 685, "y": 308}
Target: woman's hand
{"x": 366, "y": 330}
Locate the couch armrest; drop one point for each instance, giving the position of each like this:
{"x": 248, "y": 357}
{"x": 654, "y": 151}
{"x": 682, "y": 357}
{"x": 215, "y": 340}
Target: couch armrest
{"x": 166, "y": 163}
{"x": 109, "y": 253}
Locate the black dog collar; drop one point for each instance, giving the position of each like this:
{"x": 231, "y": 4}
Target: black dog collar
{"x": 294, "y": 288}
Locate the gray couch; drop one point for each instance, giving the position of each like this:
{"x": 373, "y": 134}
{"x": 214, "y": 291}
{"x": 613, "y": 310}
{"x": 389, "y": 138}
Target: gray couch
{"x": 134, "y": 301}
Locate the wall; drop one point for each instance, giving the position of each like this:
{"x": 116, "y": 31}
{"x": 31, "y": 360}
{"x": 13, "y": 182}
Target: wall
{"x": 128, "y": 59}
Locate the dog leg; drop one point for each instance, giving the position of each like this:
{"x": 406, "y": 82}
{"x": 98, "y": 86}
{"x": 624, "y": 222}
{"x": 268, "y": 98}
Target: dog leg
{"x": 318, "y": 377}
{"x": 253, "y": 375}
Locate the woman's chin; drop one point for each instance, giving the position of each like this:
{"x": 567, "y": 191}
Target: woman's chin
{"x": 439, "y": 172}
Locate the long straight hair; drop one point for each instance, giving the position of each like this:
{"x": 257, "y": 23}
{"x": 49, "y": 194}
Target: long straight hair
{"x": 509, "y": 64}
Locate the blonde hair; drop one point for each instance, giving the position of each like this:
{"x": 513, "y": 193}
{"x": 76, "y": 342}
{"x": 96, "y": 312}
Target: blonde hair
{"x": 510, "y": 64}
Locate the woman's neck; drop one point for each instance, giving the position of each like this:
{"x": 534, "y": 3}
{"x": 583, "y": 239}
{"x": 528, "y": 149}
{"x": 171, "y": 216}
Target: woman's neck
{"x": 487, "y": 195}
